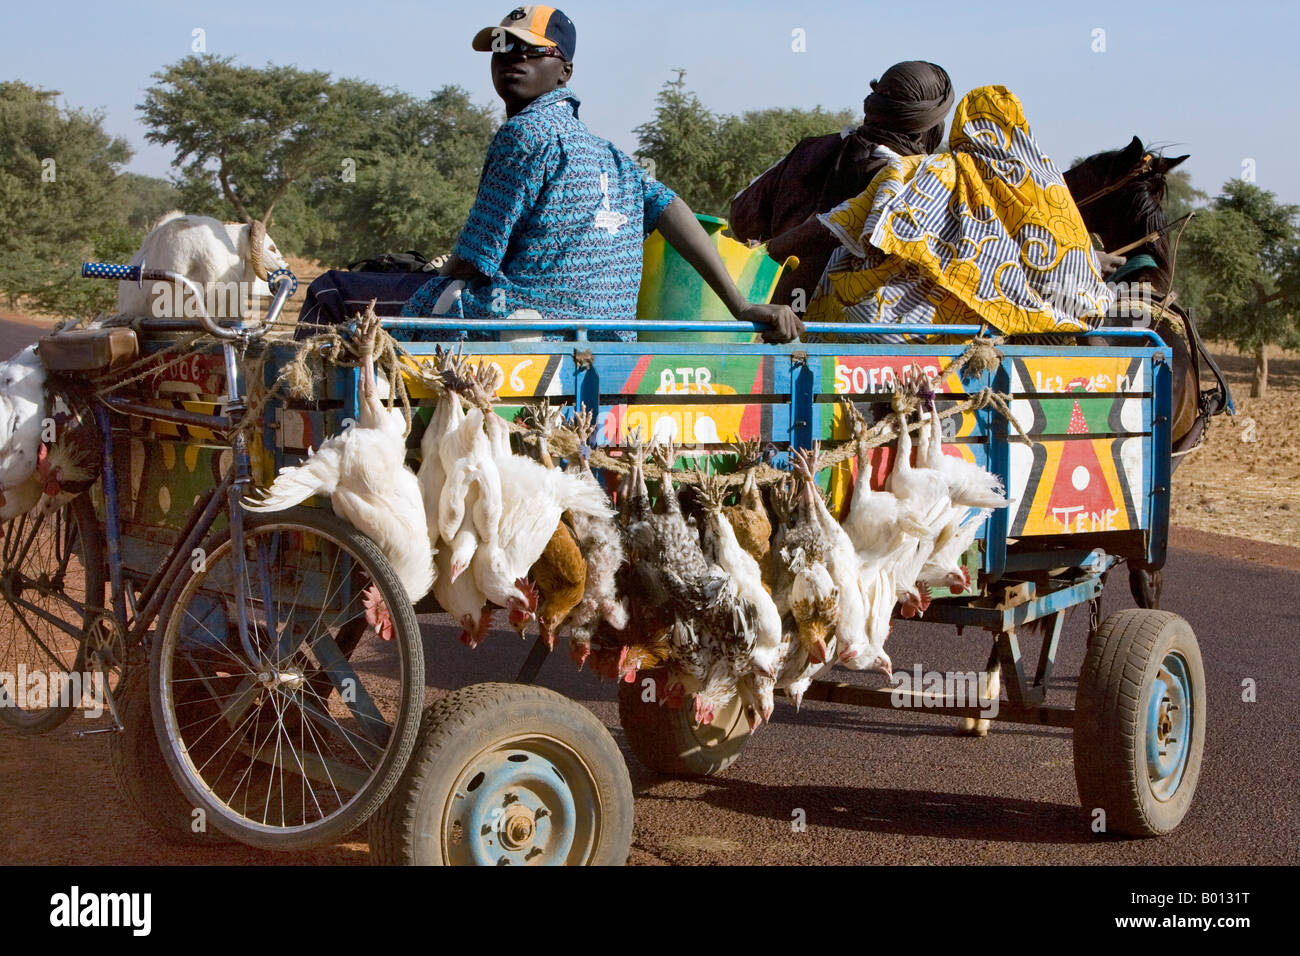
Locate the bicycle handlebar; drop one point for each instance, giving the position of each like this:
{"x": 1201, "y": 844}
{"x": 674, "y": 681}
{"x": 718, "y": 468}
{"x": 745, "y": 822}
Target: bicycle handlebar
{"x": 283, "y": 284}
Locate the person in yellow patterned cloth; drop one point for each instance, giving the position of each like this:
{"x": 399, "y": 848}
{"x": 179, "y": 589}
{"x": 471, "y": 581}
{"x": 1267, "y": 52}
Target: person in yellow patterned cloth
{"x": 987, "y": 232}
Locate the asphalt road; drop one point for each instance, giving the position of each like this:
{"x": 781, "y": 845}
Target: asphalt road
{"x": 874, "y": 786}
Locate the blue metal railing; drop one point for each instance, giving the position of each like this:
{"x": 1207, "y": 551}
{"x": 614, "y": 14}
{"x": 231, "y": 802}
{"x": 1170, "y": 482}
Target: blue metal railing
{"x": 438, "y": 324}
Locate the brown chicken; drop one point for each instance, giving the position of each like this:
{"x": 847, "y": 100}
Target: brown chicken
{"x": 560, "y": 575}
{"x": 748, "y": 517}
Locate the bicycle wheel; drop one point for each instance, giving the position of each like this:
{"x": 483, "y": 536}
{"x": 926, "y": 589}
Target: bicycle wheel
{"x": 293, "y": 737}
{"x": 51, "y": 596}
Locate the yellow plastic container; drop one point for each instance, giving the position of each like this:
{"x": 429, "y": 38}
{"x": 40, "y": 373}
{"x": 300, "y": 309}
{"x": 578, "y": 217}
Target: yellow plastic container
{"x": 672, "y": 289}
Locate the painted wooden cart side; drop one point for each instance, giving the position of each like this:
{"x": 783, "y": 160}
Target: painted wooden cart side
{"x": 1096, "y": 473}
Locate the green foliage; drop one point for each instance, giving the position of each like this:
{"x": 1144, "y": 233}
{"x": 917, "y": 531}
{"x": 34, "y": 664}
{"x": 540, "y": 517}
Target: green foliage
{"x": 343, "y": 168}
{"x": 1242, "y": 254}
{"x": 1181, "y": 197}
{"x": 408, "y": 184}
{"x": 707, "y": 158}
{"x": 249, "y": 132}
{"x": 146, "y": 198}
{"x": 60, "y": 200}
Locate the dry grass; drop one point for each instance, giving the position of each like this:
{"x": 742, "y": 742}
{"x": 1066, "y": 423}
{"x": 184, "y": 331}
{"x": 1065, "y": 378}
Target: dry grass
{"x": 1247, "y": 488}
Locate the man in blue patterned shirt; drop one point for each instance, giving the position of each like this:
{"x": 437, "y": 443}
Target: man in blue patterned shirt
{"x": 560, "y": 216}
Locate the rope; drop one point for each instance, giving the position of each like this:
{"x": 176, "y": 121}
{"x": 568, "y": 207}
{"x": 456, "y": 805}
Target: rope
{"x": 980, "y": 355}
{"x": 296, "y": 378}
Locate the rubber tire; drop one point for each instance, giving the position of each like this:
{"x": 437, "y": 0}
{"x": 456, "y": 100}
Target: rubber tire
{"x": 1145, "y": 586}
{"x": 141, "y": 772}
{"x": 1110, "y": 724}
{"x": 464, "y": 723}
{"x": 663, "y": 738}
{"x": 407, "y": 631}
{"x": 92, "y": 555}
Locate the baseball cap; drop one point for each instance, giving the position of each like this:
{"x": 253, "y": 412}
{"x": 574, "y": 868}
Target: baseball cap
{"x": 538, "y": 25}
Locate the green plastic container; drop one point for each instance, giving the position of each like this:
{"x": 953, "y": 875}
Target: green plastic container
{"x": 672, "y": 289}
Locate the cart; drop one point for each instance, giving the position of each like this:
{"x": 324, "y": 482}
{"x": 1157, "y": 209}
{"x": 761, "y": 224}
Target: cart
{"x": 508, "y": 773}
{"x": 1090, "y": 482}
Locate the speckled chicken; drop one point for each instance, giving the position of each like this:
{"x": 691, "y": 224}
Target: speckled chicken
{"x": 801, "y": 585}
{"x": 843, "y": 565}
{"x": 683, "y": 594}
{"x": 602, "y": 545}
{"x": 757, "y": 674}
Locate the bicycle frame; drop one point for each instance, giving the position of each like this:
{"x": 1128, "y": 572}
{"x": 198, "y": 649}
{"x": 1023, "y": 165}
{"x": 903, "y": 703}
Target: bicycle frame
{"x": 229, "y": 490}
{"x": 227, "y": 495}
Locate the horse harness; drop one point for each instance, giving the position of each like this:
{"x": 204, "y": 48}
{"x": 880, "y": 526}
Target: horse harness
{"x": 1211, "y": 401}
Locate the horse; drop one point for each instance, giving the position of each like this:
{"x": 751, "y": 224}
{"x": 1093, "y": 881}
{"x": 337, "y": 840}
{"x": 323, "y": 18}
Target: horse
{"x": 1120, "y": 194}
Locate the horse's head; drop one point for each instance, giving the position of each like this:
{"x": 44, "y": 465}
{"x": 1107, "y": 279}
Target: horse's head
{"x": 1119, "y": 193}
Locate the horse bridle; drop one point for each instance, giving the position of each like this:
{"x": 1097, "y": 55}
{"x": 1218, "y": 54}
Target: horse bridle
{"x": 1141, "y": 169}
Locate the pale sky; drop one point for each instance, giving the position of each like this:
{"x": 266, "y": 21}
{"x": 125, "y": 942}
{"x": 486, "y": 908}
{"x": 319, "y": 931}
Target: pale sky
{"x": 1217, "y": 80}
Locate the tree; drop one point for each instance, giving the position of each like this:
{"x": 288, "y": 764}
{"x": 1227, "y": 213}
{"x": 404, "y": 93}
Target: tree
{"x": 146, "y": 198}
{"x": 1181, "y": 197}
{"x": 680, "y": 144}
{"x": 708, "y": 158}
{"x": 1244, "y": 252}
{"x": 249, "y": 133}
{"x": 344, "y": 168}
{"x": 410, "y": 182}
{"x": 750, "y": 143}
{"x": 60, "y": 201}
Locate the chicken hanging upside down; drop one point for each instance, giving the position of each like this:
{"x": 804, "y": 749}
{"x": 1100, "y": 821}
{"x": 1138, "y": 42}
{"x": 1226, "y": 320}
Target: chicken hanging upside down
{"x": 527, "y": 560}
{"x": 601, "y": 545}
{"x": 363, "y": 471}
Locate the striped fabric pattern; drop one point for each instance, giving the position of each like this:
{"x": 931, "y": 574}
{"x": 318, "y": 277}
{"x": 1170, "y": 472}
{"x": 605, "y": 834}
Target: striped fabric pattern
{"x": 558, "y": 222}
{"x": 986, "y": 232}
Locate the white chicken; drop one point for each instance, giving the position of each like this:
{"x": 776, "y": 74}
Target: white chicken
{"x": 533, "y": 497}
{"x": 723, "y": 549}
{"x": 969, "y": 485}
{"x": 363, "y": 471}
{"x": 457, "y": 593}
{"x": 973, "y": 492}
{"x": 924, "y": 492}
{"x": 22, "y": 409}
{"x": 884, "y": 532}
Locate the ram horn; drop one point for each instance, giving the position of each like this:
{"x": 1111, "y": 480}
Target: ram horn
{"x": 256, "y": 239}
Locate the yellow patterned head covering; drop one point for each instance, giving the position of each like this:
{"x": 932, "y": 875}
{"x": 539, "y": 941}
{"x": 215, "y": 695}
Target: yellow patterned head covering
{"x": 986, "y": 232}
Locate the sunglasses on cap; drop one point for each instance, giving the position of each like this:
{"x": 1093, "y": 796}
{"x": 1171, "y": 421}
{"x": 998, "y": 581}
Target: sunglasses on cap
{"x": 526, "y": 50}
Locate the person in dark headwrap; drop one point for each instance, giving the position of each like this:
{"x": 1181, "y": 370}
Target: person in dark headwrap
{"x": 904, "y": 113}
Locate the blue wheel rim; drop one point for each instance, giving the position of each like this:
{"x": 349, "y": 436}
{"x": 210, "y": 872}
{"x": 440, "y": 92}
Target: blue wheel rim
{"x": 525, "y": 802}
{"x": 1169, "y": 722}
